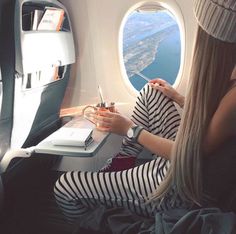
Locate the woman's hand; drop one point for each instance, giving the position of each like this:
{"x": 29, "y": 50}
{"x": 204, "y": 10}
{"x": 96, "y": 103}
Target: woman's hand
{"x": 164, "y": 87}
{"x": 112, "y": 122}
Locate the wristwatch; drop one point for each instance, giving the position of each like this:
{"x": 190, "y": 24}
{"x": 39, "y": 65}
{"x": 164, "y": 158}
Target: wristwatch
{"x": 133, "y": 133}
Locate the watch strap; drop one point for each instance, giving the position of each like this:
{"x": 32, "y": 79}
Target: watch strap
{"x": 137, "y": 130}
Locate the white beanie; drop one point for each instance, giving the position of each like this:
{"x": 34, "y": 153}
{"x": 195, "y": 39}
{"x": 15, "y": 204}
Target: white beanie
{"x": 217, "y": 18}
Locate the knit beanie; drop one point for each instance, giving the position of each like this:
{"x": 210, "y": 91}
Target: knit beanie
{"x": 217, "y": 18}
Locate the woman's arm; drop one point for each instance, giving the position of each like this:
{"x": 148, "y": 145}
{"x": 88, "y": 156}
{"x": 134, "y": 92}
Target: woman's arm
{"x": 223, "y": 123}
{"x": 157, "y": 145}
{"x": 119, "y": 124}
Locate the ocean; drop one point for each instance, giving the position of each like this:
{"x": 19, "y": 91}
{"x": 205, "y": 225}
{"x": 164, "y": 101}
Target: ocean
{"x": 166, "y": 64}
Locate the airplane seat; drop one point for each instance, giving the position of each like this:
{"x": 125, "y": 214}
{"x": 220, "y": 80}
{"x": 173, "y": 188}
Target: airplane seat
{"x": 29, "y": 114}
{"x": 7, "y": 56}
{"x": 47, "y": 118}
{"x": 7, "y": 81}
{"x": 22, "y": 126}
{"x": 7, "y": 66}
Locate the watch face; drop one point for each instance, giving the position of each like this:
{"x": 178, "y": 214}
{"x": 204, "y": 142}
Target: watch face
{"x": 130, "y": 133}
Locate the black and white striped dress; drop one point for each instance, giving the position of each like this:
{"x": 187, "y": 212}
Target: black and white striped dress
{"x": 78, "y": 192}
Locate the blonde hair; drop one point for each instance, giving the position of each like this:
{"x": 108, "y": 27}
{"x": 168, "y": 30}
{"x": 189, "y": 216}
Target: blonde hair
{"x": 212, "y": 66}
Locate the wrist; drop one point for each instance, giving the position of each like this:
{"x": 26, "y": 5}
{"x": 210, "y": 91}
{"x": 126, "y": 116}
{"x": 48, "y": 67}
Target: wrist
{"x": 134, "y": 132}
{"x": 180, "y": 100}
{"x": 128, "y": 126}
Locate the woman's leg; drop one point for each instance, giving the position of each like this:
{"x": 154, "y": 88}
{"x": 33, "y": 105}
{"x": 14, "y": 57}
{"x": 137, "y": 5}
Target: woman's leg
{"x": 158, "y": 115}
{"x": 78, "y": 193}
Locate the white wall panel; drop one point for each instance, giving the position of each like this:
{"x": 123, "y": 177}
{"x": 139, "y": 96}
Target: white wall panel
{"x": 96, "y": 25}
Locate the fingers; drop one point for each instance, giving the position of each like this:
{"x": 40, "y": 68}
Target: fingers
{"x": 112, "y": 122}
{"x": 158, "y": 84}
{"x": 159, "y": 87}
{"x": 103, "y": 129}
{"x": 101, "y": 118}
{"x": 107, "y": 114}
{"x": 102, "y": 123}
{"x": 158, "y": 81}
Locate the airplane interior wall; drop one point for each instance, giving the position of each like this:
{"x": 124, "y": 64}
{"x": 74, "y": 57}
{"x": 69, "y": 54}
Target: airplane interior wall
{"x": 96, "y": 26}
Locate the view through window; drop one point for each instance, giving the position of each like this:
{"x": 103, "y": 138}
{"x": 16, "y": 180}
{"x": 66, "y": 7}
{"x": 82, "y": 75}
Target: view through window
{"x": 151, "y": 47}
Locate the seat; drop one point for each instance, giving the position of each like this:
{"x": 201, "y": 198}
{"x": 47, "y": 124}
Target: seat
{"x": 6, "y": 83}
{"x": 22, "y": 126}
{"x": 29, "y": 114}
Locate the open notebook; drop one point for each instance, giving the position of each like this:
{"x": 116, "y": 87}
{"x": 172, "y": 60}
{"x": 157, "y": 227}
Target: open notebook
{"x": 72, "y": 137}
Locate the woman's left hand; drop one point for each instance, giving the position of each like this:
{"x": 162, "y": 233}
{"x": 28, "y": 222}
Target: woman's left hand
{"x": 112, "y": 122}
{"x": 167, "y": 89}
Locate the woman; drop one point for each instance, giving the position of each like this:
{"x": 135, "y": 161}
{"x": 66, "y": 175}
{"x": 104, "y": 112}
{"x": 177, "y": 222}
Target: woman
{"x": 155, "y": 112}
{"x": 208, "y": 123}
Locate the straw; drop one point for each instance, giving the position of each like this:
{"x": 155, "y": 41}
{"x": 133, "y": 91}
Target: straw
{"x": 100, "y": 95}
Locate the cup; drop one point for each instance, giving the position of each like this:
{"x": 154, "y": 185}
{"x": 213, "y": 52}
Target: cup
{"x": 89, "y": 110}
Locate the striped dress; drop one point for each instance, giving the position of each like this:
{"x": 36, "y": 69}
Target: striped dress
{"x": 79, "y": 192}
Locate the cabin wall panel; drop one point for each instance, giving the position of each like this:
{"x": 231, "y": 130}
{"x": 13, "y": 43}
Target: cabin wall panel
{"x": 96, "y": 26}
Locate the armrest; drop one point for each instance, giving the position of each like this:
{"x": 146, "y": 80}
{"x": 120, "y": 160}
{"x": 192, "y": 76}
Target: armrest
{"x": 14, "y": 153}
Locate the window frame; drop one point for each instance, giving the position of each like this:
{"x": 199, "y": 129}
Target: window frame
{"x": 177, "y": 14}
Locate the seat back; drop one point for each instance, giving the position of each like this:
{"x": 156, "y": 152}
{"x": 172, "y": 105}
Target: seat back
{"x": 7, "y": 64}
{"x": 47, "y": 117}
{"x": 36, "y": 109}
{"x": 27, "y": 114}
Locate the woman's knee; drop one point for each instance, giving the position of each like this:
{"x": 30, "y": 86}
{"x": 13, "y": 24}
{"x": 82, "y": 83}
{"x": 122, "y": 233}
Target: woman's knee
{"x": 148, "y": 91}
{"x": 72, "y": 185}
{"x": 61, "y": 187}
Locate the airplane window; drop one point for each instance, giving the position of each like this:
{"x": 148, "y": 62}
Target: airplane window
{"x": 151, "y": 47}
{"x": 0, "y": 91}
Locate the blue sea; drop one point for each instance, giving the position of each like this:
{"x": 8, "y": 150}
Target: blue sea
{"x": 166, "y": 64}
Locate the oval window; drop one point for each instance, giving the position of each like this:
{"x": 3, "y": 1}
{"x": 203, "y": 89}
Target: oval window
{"x": 151, "y": 46}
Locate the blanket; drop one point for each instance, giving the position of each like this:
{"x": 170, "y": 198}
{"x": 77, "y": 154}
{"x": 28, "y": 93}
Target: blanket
{"x": 176, "y": 221}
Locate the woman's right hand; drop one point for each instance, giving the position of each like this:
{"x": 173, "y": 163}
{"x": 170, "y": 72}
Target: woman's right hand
{"x": 112, "y": 122}
{"x": 164, "y": 87}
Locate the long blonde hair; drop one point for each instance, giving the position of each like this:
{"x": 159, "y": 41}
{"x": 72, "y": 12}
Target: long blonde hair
{"x": 212, "y": 66}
